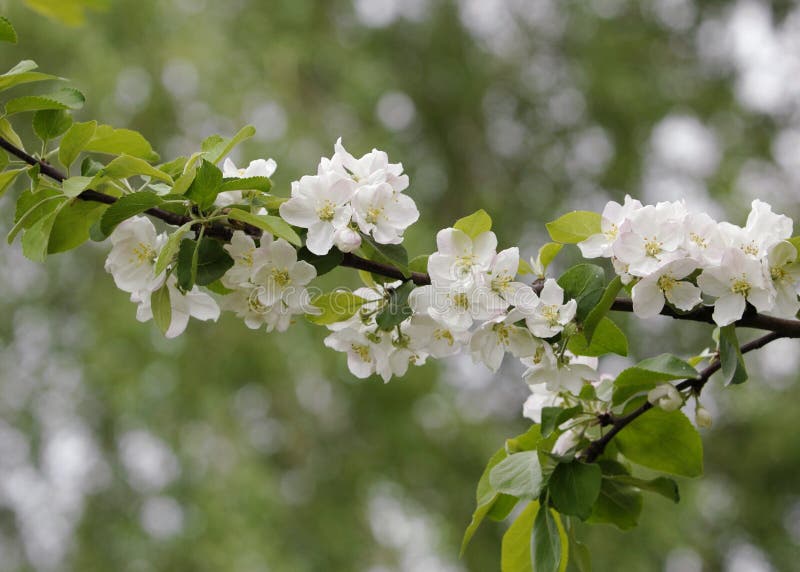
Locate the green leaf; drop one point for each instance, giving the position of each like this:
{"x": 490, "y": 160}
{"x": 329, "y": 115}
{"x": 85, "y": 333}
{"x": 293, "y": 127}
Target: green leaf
{"x": 7, "y": 132}
{"x": 262, "y": 184}
{"x": 485, "y": 497}
{"x": 201, "y": 263}
{"x": 419, "y": 263}
{"x": 730, "y": 354}
{"x": 664, "y": 441}
{"x": 206, "y": 185}
{"x": 51, "y": 123}
{"x": 272, "y": 224}
{"x": 126, "y": 166}
{"x": 167, "y": 253}
{"x": 216, "y": 147}
{"x": 515, "y": 550}
{"x": 36, "y": 238}
{"x": 108, "y": 140}
{"x": 574, "y": 227}
{"x": 609, "y": 339}
{"x": 649, "y": 373}
{"x": 390, "y": 254}
{"x": 397, "y": 309}
{"x": 74, "y": 186}
{"x": 552, "y": 417}
{"x": 7, "y": 178}
{"x": 546, "y": 546}
{"x": 601, "y": 309}
{"x": 519, "y": 475}
{"x": 23, "y": 73}
{"x": 162, "y": 308}
{"x": 335, "y": 306}
{"x": 63, "y": 98}
{"x": 71, "y": 12}
{"x": 7, "y": 31}
{"x": 324, "y": 263}
{"x": 574, "y": 488}
{"x": 33, "y": 206}
{"x": 547, "y": 253}
{"x": 585, "y": 283}
{"x": 502, "y": 507}
{"x": 618, "y": 504}
{"x": 579, "y": 553}
{"x": 474, "y": 224}
{"x": 127, "y": 206}
{"x": 74, "y": 141}
{"x": 72, "y": 224}
{"x": 663, "y": 486}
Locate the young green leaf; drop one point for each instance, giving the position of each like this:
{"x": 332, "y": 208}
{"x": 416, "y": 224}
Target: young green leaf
{"x": 167, "y": 253}
{"x": 609, "y": 339}
{"x": 51, "y": 123}
{"x": 664, "y": 441}
{"x": 485, "y": 497}
{"x": 552, "y": 417}
{"x": 127, "y": 206}
{"x": 649, "y": 373}
{"x": 663, "y": 486}
{"x": 7, "y": 178}
{"x": 262, "y": 184}
{"x": 7, "y": 31}
{"x": 31, "y": 207}
{"x": 206, "y": 185}
{"x": 23, "y": 73}
{"x": 215, "y": 148}
{"x": 126, "y": 166}
{"x": 7, "y": 132}
{"x": 547, "y": 553}
{"x": 397, "y": 309}
{"x": 547, "y": 253}
{"x": 618, "y": 504}
{"x": 71, "y": 226}
{"x": 730, "y": 354}
{"x": 474, "y": 224}
{"x": 272, "y": 224}
{"x": 36, "y": 238}
{"x": 574, "y": 488}
{"x": 74, "y": 186}
{"x": 574, "y": 227}
{"x": 162, "y": 308}
{"x": 519, "y": 475}
{"x": 74, "y": 141}
{"x": 63, "y": 98}
{"x": 390, "y": 254}
{"x": 515, "y": 550}
{"x": 201, "y": 263}
{"x": 111, "y": 141}
{"x": 601, "y": 308}
{"x": 334, "y": 307}
{"x": 419, "y": 263}
{"x": 585, "y": 283}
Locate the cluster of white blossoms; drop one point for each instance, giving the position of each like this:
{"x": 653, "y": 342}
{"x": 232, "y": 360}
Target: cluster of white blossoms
{"x": 687, "y": 259}
{"x": 132, "y": 261}
{"x": 348, "y": 195}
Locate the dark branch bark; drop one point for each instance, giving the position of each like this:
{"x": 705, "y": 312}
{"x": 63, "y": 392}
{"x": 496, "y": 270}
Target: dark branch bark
{"x": 596, "y": 448}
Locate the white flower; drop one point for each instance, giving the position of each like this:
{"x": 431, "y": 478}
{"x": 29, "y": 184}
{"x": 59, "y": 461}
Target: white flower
{"x": 614, "y": 215}
{"x": 319, "y": 203}
{"x": 739, "y": 279}
{"x": 501, "y": 274}
{"x": 652, "y": 237}
{"x": 372, "y": 168}
{"x": 459, "y": 257}
{"x": 569, "y": 374}
{"x": 364, "y": 355}
{"x": 494, "y": 337}
{"x": 346, "y": 239}
{"x": 703, "y": 239}
{"x": 383, "y": 213}
{"x": 284, "y": 278}
{"x": 455, "y": 307}
{"x": 135, "y": 249}
{"x": 194, "y": 304}
{"x": 648, "y": 294}
{"x": 666, "y": 397}
{"x": 784, "y": 271}
{"x": 257, "y": 168}
{"x": 539, "y": 398}
{"x": 567, "y": 443}
{"x": 546, "y": 314}
{"x": 247, "y": 258}
{"x": 426, "y": 334}
{"x": 703, "y": 418}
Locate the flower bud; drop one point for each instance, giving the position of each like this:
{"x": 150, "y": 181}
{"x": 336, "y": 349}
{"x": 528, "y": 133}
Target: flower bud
{"x": 703, "y": 417}
{"x": 346, "y": 239}
{"x": 666, "y": 397}
{"x": 566, "y": 443}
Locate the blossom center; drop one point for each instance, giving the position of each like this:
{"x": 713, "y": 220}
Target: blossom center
{"x": 666, "y": 282}
{"x": 444, "y": 335}
{"x": 778, "y": 273}
{"x": 698, "y": 240}
{"x": 256, "y": 305}
{"x": 741, "y": 286}
{"x": 550, "y": 314}
{"x": 612, "y": 232}
{"x": 461, "y": 301}
{"x": 502, "y": 332}
{"x": 652, "y": 247}
{"x": 501, "y": 283}
{"x": 326, "y": 211}
{"x": 373, "y": 213}
{"x": 281, "y": 277}
{"x": 143, "y": 252}
{"x": 750, "y": 248}
{"x": 361, "y": 351}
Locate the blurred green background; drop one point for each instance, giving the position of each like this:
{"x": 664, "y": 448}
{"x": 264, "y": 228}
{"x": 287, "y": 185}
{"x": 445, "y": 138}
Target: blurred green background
{"x": 228, "y": 449}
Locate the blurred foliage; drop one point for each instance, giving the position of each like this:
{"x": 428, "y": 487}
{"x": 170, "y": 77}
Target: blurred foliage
{"x": 280, "y": 460}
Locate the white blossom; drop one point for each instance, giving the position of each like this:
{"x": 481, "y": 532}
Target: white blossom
{"x": 247, "y": 258}
{"x": 613, "y": 217}
{"x": 257, "y": 168}
{"x": 495, "y": 337}
{"x": 459, "y": 257}
{"x": 784, "y": 272}
{"x": 652, "y": 237}
{"x": 426, "y": 334}
{"x": 284, "y": 278}
{"x": 372, "y": 168}
{"x": 380, "y": 211}
{"x": 567, "y": 374}
{"x": 649, "y": 293}
{"x": 194, "y": 303}
{"x": 546, "y": 314}
{"x": 666, "y": 397}
{"x": 131, "y": 262}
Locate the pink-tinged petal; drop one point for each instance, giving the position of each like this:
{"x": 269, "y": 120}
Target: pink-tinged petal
{"x": 728, "y": 309}
{"x": 320, "y": 238}
{"x": 299, "y": 211}
{"x": 684, "y": 296}
{"x": 648, "y": 299}
{"x": 453, "y": 242}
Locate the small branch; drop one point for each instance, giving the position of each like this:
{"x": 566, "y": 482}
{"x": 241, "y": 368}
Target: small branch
{"x": 596, "y": 448}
